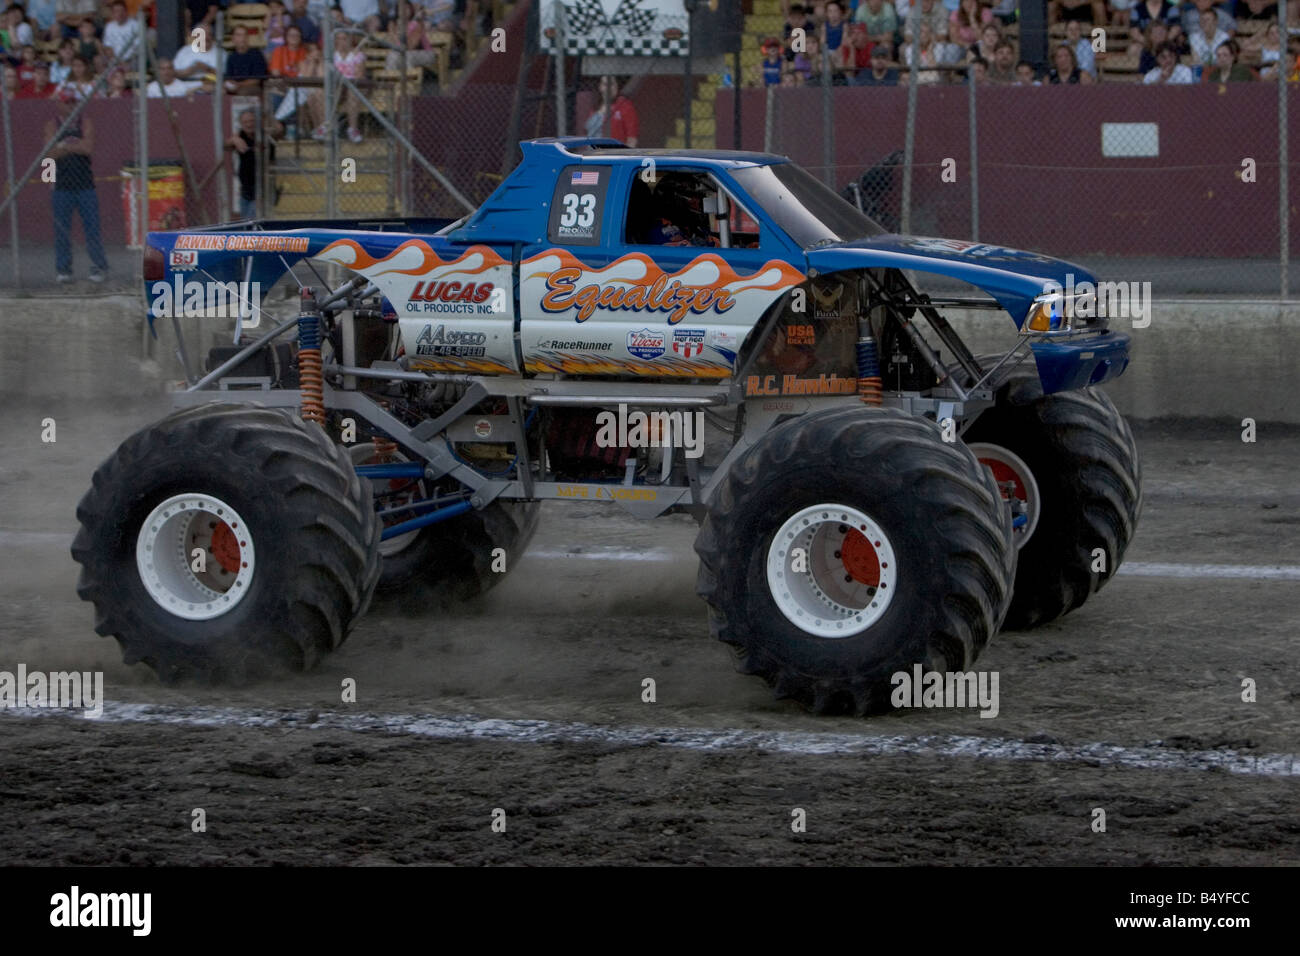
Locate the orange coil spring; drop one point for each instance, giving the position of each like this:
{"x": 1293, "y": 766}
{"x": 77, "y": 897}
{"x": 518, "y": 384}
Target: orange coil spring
{"x": 311, "y": 383}
{"x": 871, "y": 390}
{"x": 384, "y": 447}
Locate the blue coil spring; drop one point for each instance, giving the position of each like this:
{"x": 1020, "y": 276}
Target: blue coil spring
{"x": 868, "y": 359}
{"x": 309, "y": 331}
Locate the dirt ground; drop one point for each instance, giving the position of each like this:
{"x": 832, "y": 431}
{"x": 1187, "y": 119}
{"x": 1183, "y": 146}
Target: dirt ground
{"x": 1151, "y": 668}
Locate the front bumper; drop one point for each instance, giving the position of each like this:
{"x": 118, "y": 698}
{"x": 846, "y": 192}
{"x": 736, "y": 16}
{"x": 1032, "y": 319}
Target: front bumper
{"x": 1065, "y": 364}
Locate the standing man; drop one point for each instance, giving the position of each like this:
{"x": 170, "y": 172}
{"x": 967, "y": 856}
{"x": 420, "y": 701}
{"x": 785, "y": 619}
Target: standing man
{"x": 74, "y": 190}
{"x": 244, "y": 145}
{"x": 616, "y": 116}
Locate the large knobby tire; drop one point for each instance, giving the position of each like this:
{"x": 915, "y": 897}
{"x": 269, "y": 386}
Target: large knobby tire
{"x": 1084, "y": 462}
{"x": 287, "y": 544}
{"x": 861, "y": 486}
{"x": 453, "y": 559}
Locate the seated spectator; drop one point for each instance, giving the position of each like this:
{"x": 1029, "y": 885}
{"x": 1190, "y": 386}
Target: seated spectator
{"x": 930, "y": 55}
{"x": 420, "y": 50}
{"x": 245, "y": 67}
{"x": 70, "y": 13}
{"x": 191, "y": 64}
{"x": 117, "y": 88}
{"x": 87, "y": 42}
{"x": 40, "y": 88}
{"x": 1268, "y": 43}
{"x": 880, "y": 73}
{"x": 987, "y": 46}
{"x": 121, "y": 33}
{"x": 769, "y": 68}
{"x": 288, "y": 59}
{"x": 1065, "y": 70}
{"x": 308, "y": 28}
{"x": 169, "y": 84}
{"x": 933, "y": 12}
{"x": 17, "y": 31}
{"x": 277, "y": 21}
{"x": 1168, "y": 69}
{"x": 80, "y": 82}
{"x": 27, "y": 61}
{"x": 808, "y": 65}
{"x": 10, "y": 82}
{"x": 1157, "y": 36}
{"x": 1191, "y": 16}
{"x": 1226, "y": 69}
{"x": 1089, "y": 11}
{"x": 43, "y": 16}
{"x": 1207, "y": 38}
{"x": 1005, "y": 12}
{"x": 308, "y": 67}
{"x": 833, "y": 28}
{"x": 1254, "y": 10}
{"x": 880, "y": 19}
{"x": 977, "y": 71}
{"x": 1120, "y": 12}
{"x": 440, "y": 15}
{"x": 1003, "y": 68}
{"x": 796, "y": 19}
{"x": 1082, "y": 47}
{"x": 1147, "y": 12}
{"x": 1025, "y": 75}
{"x": 361, "y": 13}
{"x": 855, "y": 55}
{"x": 966, "y": 22}
{"x": 349, "y": 62}
{"x": 62, "y": 66}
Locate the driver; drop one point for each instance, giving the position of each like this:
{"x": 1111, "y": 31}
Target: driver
{"x": 679, "y": 218}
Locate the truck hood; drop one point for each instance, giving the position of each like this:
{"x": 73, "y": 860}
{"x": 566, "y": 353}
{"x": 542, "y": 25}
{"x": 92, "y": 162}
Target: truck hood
{"x": 1011, "y": 276}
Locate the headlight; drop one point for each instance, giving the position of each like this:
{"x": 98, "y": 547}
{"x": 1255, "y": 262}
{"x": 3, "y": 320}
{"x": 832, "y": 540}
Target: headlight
{"x": 1055, "y": 313}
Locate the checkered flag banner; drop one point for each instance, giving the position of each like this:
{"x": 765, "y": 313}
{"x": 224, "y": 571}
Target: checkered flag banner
{"x": 582, "y": 16}
{"x": 632, "y": 16}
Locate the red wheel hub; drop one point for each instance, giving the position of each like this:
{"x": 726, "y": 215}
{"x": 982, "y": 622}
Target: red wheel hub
{"x": 1004, "y": 473}
{"x": 859, "y": 559}
{"x": 225, "y": 547}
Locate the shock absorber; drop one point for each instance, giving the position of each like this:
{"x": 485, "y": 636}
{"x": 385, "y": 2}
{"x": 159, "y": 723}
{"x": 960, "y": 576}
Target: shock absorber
{"x": 869, "y": 382}
{"x": 384, "y": 447}
{"x": 311, "y": 381}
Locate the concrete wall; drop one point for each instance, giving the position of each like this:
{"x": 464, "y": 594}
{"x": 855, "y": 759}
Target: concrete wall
{"x": 1198, "y": 358}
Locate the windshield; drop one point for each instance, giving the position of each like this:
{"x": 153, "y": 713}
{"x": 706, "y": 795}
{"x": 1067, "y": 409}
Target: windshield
{"x": 810, "y": 212}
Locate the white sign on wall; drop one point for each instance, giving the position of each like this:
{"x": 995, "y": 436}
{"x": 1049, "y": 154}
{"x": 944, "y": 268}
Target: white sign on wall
{"x": 615, "y": 27}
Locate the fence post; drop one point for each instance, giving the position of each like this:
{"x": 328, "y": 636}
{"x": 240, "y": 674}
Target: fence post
{"x": 142, "y": 158}
{"x": 1284, "y": 199}
{"x": 909, "y": 133}
{"x": 828, "y": 114}
{"x": 561, "y": 112}
{"x": 9, "y": 178}
{"x": 974, "y": 161}
{"x": 218, "y": 124}
{"x": 331, "y": 120}
{"x": 769, "y": 111}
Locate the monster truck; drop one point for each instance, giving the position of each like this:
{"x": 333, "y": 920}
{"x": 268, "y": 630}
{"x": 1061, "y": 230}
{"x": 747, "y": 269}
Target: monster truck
{"x": 864, "y": 484}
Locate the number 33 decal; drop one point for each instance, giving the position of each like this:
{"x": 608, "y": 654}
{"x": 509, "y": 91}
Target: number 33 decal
{"x": 579, "y": 210}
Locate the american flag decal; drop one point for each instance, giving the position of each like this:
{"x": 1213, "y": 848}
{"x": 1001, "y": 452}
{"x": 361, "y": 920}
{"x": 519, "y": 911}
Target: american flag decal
{"x": 586, "y": 177}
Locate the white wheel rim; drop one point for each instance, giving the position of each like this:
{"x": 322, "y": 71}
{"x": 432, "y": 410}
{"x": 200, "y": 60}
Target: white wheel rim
{"x": 826, "y": 591}
{"x": 164, "y": 555}
{"x": 362, "y": 455}
{"x": 1000, "y": 461}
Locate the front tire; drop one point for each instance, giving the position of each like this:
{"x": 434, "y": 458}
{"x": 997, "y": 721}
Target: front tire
{"x": 1083, "y": 464}
{"x": 906, "y": 557}
{"x": 226, "y": 542}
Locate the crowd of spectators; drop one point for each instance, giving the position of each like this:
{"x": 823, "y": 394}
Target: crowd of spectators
{"x": 869, "y": 42}
{"x": 86, "y": 48}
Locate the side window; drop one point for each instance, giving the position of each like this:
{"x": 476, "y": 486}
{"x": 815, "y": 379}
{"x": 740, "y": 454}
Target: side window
{"x": 684, "y": 207}
{"x": 577, "y": 208}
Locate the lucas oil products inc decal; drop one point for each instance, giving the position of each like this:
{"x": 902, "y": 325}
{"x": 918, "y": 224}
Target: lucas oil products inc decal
{"x": 456, "y": 312}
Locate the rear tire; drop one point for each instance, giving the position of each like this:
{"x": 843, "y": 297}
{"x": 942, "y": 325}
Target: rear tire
{"x": 883, "y": 495}
{"x": 1084, "y": 461}
{"x": 285, "y": 537}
